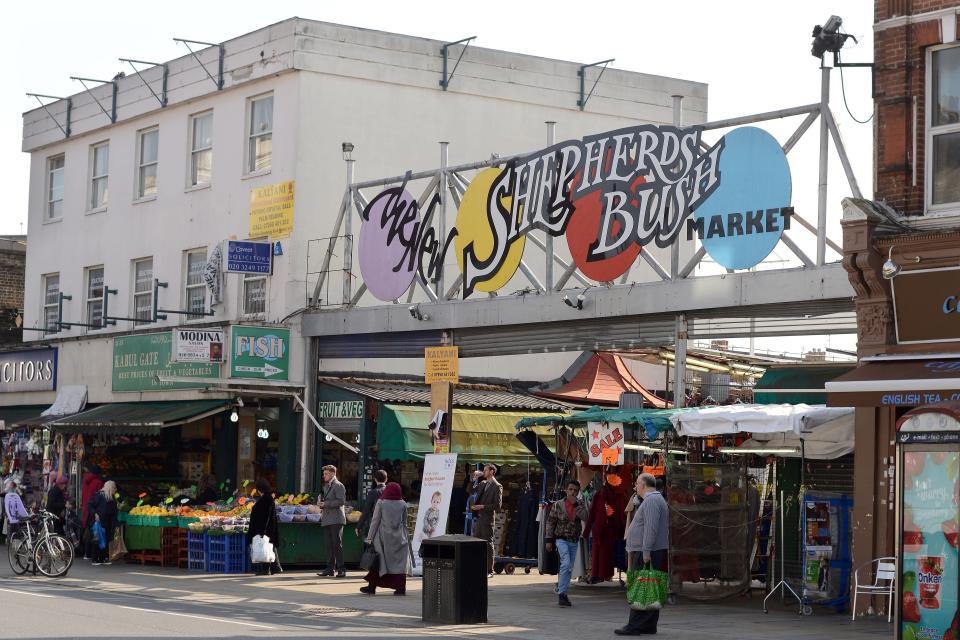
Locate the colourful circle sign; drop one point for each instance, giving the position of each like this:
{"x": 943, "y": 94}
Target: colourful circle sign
{"x": 473, "y": 230}
{"x": 390, "y": 224}
{"x": 742, "y": 221}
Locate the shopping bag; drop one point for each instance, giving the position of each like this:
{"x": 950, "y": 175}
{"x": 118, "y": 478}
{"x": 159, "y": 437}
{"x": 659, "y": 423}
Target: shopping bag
{"x": 646, "y": 589}
{"x": 261, "y": 550}
{"x": 118, "y": 548}
{"x": 370, "y": 559}
{"x": 99, "y": 535}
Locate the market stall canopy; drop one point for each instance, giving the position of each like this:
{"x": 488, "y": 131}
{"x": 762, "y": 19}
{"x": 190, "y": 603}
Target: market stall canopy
{"x": 597, "y": 378}
{"x": 17, "y": 417}
{"x": 138, "y": 418}
{"x": 653, "y": 421}
{"x": 795, "y": 384}
{"x": 755, "y": 418}
{"x": 476, "y": 396}
{"x": 897, "y": 380}
{"x": 477, "y": 435}
{"x": 828, "y": 441}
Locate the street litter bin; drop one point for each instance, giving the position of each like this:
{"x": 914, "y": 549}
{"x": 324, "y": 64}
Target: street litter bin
{"x": 454, "y": 579}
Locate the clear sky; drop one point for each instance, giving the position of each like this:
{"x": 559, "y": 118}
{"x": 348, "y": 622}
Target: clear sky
{"x": 755, "y": 56}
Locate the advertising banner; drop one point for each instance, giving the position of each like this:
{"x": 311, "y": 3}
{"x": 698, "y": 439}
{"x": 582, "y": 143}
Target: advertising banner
{"x": 139, "y": 359}
{"x": 605, "y": 442}
{"x": 925, "y": 305}
{"x": 198, "y": 345}
{"x": 34, "y": 370}
{"x": 928, "y": 578}
{"x": 259, "y": 352}
{"x": 271, "y": 210}
{"x": 435, "y": 489}
{"x": 244, "y": 256}
{"x": 441, "y": 364}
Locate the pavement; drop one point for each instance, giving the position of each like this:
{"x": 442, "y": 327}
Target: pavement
{"x": 131, "y": 601}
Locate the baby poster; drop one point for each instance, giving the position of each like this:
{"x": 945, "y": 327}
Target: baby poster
{"x": 435, "y": 489}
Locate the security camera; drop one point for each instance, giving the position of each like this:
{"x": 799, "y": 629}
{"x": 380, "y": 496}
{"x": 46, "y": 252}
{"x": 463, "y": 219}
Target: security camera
{"x": 578, "y": 305}
{"x": 832, "y": 24}
{"x": 828, "y": 37}
{"x": 413, "y": 310}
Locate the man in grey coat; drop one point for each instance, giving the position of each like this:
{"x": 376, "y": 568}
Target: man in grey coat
{"x": 489, "y": 501}
{"x": 647, "y": 541}
{"x": 333, "y": 495}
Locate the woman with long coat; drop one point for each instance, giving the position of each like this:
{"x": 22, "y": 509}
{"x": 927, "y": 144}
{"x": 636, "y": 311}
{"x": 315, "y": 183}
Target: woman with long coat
{"x": 263, "y": 522}
{"x": 388, "y": 535}
{"x": 103, "y": 509}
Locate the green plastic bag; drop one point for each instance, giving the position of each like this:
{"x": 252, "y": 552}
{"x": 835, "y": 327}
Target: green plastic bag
{"x": 646, "y": 589}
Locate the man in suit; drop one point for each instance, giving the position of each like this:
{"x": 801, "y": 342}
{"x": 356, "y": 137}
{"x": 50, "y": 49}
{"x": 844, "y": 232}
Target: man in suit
{"x": 332, "y": 497}
{"x": 489, "y": 501}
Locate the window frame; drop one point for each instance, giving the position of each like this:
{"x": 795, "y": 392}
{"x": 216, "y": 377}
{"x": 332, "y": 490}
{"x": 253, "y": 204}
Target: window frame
{"x": 92, "y": 206}
{"x": 930, "y": 132}
{"x": 45, "y": 303}
{"x": 136, "y": 295}
{"x": 193, "y": 152}
{"x": 139, "y": 194}
{"x": 88, "y": 299}
{"x": 187, "y": 287}
{"x": 251, "y": 137}
{"x": 47, "y": 217}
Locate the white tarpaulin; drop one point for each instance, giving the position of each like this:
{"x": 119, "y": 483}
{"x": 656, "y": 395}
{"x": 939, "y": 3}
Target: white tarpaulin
{"x": 70, "y": 399}
{"x": 755, "y": 418}
{"x": 826, "y": 441}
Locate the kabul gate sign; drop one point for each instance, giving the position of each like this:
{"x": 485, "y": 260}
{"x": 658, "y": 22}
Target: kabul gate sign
{"x": 610, "y": 194}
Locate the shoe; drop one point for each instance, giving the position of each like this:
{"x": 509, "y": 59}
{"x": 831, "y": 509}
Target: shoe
{"x": 490, "y": 575}
{"x": 97, "y": 564}
{"x": 369, "y": 590}
{"x": 627, "y": 631}
{"x": 325, "y": 574}
{"x": 341, "y": 574}
{"x": 400, "y": 592}
{"x": 564, "y": 601}
{"x": 107, "y": 562}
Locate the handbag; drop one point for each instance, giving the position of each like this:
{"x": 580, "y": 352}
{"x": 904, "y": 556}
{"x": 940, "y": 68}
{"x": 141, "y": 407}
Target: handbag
{"x": 646, "y": 589}
{"x": 370, "y": 559}
{"x": 118, "y": 548}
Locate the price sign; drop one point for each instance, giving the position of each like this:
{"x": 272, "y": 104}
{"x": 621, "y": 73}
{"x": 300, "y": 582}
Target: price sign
{"x": 610, "y": 456}
{"x": 168, "y": 501}
{"x": 142, "y": 495}
{"x": 116, "y": 496}
{"x": 246, "y": 482}
{"x": 184, "y": 500}
{"x": 139, "y": 502}
{"x": 242, "y": 501}
{"x": 230, "y": 501}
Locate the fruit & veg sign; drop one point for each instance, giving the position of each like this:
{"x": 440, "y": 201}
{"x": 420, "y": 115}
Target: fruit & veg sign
{"x": 931, "y": 494}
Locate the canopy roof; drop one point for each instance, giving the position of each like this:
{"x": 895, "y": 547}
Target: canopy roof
{"x": 138, "y": 418}
{"x": 597, "y": 378}
{"x": 797, "y": 383}
{"x": 654, "y": 421}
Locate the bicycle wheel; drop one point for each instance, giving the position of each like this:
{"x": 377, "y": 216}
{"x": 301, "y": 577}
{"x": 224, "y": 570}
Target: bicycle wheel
{"x": 53, "y": 556}
{"x": 19, "y": 553}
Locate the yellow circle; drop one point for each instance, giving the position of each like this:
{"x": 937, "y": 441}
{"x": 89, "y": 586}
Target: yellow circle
{"x": 473, "y": 226}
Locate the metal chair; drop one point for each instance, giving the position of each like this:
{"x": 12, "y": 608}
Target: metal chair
{"x": 884, "y": 574}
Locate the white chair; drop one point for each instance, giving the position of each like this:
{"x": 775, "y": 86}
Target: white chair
{"x": 884, "y": 574}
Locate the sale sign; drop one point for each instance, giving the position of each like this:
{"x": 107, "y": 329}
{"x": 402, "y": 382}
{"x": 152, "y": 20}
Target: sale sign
{"x": 605, "y": 440}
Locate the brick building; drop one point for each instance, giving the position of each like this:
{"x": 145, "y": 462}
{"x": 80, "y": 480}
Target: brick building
{"x": 902, "y": 256}
{"x": 13, "y": 260}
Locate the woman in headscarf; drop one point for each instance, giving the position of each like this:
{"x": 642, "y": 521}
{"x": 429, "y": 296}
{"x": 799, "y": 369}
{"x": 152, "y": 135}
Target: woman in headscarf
{"x": 263, "y": 522}
{"x": 57, "y": 500}
{"x": 103, "y": 509}
{"x": 388, "y": 535}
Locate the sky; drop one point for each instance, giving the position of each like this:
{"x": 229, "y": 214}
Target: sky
{"x": 754, "y": 55}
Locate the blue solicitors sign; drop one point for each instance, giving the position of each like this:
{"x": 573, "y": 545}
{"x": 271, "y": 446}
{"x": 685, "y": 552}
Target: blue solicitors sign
{"x": 244, "y": 256}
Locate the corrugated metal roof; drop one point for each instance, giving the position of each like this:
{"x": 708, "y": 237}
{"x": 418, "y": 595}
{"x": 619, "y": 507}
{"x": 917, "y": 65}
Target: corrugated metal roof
{"x": 410, "y": 393}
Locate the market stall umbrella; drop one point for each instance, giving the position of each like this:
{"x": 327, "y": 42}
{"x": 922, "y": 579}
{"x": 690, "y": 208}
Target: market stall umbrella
{"x": 827, "y": 441}
{"x": 755, "y": 418}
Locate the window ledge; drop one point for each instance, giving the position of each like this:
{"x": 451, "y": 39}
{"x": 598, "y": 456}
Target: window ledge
{"x": 144, "y": 199}
{"x": 92, "y": 212}
{"x": 198, "y": 187}
{"x": 53, "y": 220}
{"x": 257, "y": 174}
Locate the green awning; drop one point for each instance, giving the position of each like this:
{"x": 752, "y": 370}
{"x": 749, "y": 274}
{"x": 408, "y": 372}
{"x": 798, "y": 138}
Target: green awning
{"x": 653, "y": 421}
{"x": 797, "y": 385}
{"x": 478, "y": 435}
{"x": 20, "y": 413}
{"x": 138, "y": 418}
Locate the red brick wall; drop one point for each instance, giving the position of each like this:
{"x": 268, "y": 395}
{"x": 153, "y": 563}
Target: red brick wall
{"x": 900, "y": 74}
{"x": 12, "y": 266}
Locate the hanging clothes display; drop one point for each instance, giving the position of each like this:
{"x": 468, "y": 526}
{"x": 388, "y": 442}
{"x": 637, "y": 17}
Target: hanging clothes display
{"x": 605, "y": 526}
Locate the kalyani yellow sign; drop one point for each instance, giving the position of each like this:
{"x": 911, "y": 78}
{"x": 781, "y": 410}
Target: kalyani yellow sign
{"x": 441, "y": 364}
{"x": 271, "y": 211}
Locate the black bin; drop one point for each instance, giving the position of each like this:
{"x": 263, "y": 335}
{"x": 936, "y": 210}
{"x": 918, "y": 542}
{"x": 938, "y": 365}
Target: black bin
{"x": 454, "y": 579}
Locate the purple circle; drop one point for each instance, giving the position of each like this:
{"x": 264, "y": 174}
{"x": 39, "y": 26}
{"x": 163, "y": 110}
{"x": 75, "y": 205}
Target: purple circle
{"x": 388, "y": 242}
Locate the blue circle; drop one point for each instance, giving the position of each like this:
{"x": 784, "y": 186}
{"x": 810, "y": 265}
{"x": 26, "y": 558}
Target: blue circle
{"x": 754, "y": 178}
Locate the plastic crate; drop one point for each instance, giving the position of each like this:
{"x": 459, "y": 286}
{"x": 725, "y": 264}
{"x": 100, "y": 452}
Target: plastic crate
{"x": 134, "y": 520}
{"x": 122, "y": 516}
{"x": 196, "y": 551}
{"x": 227, "y": 554}
{"x": 184, "y": 521}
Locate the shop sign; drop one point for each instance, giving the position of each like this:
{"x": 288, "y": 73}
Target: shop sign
{"x": 610, "y": 194}
{"x": 926, "y": 305}
{"x": 259, "y": 352}
{"x": 198, "y": 345}
{"x": 245, "y": 256}
{"x": 34, "y": 370}
{"x": 340, "y": 409}
{"x": 271, "y": 210}
{"x": 605, "y": 442}
{"x": 139, "y": 359}
{"x": 436, "y": 488}
{"x": 441, "y": 364}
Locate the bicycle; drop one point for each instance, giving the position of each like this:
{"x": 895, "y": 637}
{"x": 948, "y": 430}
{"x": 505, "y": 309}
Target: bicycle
{"x": 45, "y": 551}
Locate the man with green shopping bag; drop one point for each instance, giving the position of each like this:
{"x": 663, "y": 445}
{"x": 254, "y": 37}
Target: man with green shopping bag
{"x": 647, "y": 540}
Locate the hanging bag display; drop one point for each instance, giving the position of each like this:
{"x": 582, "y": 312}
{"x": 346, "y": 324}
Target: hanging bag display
{"x": 646, "y": 589}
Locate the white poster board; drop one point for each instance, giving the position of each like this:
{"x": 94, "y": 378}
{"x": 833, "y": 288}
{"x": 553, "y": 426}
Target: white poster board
{"x": 198, "y": 345}
{"x": 435, "y": 489}
{"x": 605, "y": 440}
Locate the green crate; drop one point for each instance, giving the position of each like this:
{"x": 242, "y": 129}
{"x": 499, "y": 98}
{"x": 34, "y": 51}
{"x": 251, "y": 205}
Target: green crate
{"x": 122, "y": 516}
{"x": 134, "y": 520}
{"x": 184, "y": 521}
{"x": 168, "y": 521}
{"x": 142, "y": 538}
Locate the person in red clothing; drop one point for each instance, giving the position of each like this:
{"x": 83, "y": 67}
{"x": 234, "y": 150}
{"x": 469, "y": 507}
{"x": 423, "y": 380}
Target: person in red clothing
{"x": 606, "y": 524}
{"x": 92, "y": 483}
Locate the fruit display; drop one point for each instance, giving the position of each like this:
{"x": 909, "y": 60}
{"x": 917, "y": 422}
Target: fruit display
{"x": 145, "y": 510}
{"x": 296, "y": 499}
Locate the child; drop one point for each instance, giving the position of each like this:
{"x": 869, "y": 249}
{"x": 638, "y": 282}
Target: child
{"x": 432, "y": 518}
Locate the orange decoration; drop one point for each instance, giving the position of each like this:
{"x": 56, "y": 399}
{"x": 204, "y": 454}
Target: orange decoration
{"x": 613, "y": 480}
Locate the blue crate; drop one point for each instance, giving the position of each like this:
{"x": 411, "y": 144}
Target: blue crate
{"x": 196, "y": 551}
{"x": 227, "y": 554}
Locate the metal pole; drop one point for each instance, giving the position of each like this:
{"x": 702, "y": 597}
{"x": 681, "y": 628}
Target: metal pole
{"x": 680, "y": 362}
{"x": 548, "y": 241}
{"x": 443, "y": 187}
{"x": 348, "y": 241}
{"x": 307, "y": 435}
{"x": 675, "y": 247}
{"x": 824, "y": 149}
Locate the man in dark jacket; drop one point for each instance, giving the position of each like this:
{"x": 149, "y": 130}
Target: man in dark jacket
{"x": 489, "y": 502}
{"x": 370, "y": 502}
{"x": 57, "y": 501}
{"x": 333, "y": 495}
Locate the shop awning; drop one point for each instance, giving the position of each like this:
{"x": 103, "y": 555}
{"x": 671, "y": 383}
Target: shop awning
{"x": 138, "y": 418}
{"x": 755, "y": 418}
{"x": 478, "y": 435}
{"x": 894, "y": 381}
{"x": 796, "y": 384}
{"x": 12, "y": 417}
{"x": 828, "y": 441}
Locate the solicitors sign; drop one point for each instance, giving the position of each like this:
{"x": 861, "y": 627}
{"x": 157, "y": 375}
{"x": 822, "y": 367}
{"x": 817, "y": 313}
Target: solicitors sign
{"x": 926, "y": 305}
{"x": 34, "y": 370}
{"x": 610, "y": 195}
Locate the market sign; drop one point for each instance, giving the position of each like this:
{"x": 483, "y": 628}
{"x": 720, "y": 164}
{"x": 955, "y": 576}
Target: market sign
{"x": 271, "y": 210}
{"x": 138, "y": 360}
{"x": 34, "y": 370}
{"x": 441, "y": 364}
{"x": 605, "y": 442}
{"x": 610, "y": 194}
{"x": 259, "y": 352}
{"x": 926, "y": 305}
{"x": 198, "y": 345}
{"x": 245, "y": 256}
{"x": 340, "y": 409}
